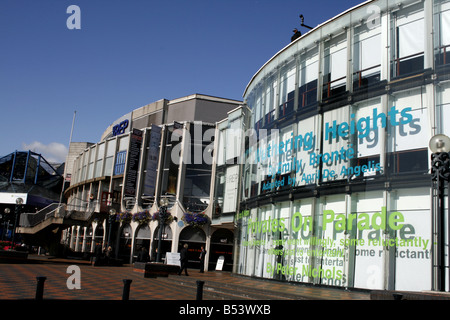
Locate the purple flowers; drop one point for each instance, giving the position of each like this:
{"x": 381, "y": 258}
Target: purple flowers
{"x": 124, "y": 217}
{"x": 195, "y": 219}
{"x": 169, "y": 217}
{"x": 142, "y": 217}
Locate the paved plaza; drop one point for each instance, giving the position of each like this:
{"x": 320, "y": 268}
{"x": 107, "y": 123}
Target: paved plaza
{"x": 18, "y": 281}
{"x": 101, "y": 289}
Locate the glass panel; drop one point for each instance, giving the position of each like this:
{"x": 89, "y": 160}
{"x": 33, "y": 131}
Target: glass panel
{"x": 442, "y": 31}
{"x": 337, "y": 149}
{"x": 367, "y": 251}
{"x": 305, "y": 146}
{"x": 413, "y": 252}
{"x": 367, "y": 51}
{"x": 335, "y": 67}
{"x": 308, "y": 71}
{"x": 408, "y": 40}
{"x": 197, "y": 181}
{"x": 287, "y": 90}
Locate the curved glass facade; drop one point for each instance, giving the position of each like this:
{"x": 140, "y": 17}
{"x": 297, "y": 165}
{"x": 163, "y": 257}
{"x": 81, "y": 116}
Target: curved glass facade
{"x": 336, "y": 185}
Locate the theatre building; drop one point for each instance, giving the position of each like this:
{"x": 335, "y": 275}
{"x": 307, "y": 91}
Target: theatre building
{"x": 335, "y": 164}
{"x": 161, "y": 151}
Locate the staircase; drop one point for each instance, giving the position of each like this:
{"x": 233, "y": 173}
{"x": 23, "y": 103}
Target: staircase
{"x": 54, "y": 214}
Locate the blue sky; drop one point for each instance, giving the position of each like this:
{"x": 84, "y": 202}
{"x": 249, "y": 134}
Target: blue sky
{"x": 129, "y": 53}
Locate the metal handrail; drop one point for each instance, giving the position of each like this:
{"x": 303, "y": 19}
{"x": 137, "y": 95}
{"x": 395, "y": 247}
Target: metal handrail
{"x": 32, "y": 219}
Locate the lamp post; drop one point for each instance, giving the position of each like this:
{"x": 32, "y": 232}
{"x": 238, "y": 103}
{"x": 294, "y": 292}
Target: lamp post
{"x": 162, "y": 220}
{"x": 112, "y": 215}
{"x": 1, "y": 219}
{"x": 440, "y": 173}
{"x": 17, "y": 209}
{"x": 5, "y": 222}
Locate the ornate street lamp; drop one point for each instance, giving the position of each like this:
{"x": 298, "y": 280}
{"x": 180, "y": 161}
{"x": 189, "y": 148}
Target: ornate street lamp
{"x": 440, "y": 174}
{"x": 163, "y": 215}
{"x": 17, "y": 210}
{"x": 112, "y": 216}
{"x": 5, "y": 222}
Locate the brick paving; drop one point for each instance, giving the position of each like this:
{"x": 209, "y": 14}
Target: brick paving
{"x": 97, "y": 283}
{"x": 102, "y": 288}
{"x": 18, "y": 281}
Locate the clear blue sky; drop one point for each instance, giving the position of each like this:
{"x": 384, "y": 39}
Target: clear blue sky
{"x": 129, "y": 53}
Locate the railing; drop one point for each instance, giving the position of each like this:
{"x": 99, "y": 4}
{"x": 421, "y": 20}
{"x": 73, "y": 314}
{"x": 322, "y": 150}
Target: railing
{"x": 444, "y": 49}
{"x": 286, "y": 108}
{"x": 360, "y": 72}
{"x": 81, "y": 211}
{"x": 304, "y": 97}
{"x": 269, "y": 117}
{"x": 329, "y": 87}
{"x": 56, "y": 210}
{"x": 398, "y": 61}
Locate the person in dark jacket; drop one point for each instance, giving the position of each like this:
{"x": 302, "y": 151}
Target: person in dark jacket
{"x": 143, "y": 255}
{"x": 184, "y": 259}
{"x": 296, "y": 34}
{"x": 202, "y": 259}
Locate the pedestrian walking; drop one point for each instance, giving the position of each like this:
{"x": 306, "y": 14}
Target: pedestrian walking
{"x": 202, "y": 259}
{"x": 108, "y": 254}
{"x": 143, "y": 255}
{"x": 184, "y": 259}
{"x": 97, "y": 254}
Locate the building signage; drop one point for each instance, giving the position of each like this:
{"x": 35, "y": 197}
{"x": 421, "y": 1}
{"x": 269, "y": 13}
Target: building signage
{"x": 121, "y": 125}
{"x": 283, "y": 154}
{"x": 120, "y": 128}
{"x": 231, "y": 187}
{"x": 10, "y": 198}
{"x": 173, "y": 258}
{"x": 320, "y": 240}
{"x": 152, "y": 161}
{"x": 133, "y": 163}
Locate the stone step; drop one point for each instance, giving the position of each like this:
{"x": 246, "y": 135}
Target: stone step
{"x": 231, "y": 290}
{"x": 211, "y": 290}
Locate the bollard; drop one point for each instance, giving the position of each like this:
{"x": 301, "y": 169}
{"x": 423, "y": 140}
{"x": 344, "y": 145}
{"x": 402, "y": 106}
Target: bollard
{"x": 200, "y": 289}
{"x": 397, "y": 296}
{"x": 126, "y": 289}
{"x": 40, "y": 287}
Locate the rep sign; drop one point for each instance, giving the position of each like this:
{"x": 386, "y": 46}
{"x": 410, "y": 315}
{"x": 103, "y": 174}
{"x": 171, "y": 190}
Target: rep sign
{"x": 120, "y": 128}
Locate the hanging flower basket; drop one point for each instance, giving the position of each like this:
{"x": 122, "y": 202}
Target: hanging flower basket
{"x": 195, "y": 219}
{"x": 169, "y": 218}
{"x": 124, "y": 217}
{"x": 142, "y": 217}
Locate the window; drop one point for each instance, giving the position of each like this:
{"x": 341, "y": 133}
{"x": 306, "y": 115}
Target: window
{"x": 409, "y": 161}
{"x": 304, "y": 144}
{"x": 408, "y": 41}
{"x": 335, "y": 67}
{"x": 442, "y": 34}
{"x": 366, "y": 57}
{"x": 121, "y": 158}
{"x": 90, "y": 173}
{"x": 408, "y": 139}
{"x": 121, "y": 155}
{"x": 369, "y": 146}
{"x": 287, "y": 90}
{"x": 99, "y": 162}
{"x": 169, "y": 179}
{"x": 332, "y": 144}
{"x": 109, "y": 157}
{"x": 270, "y": 98}
{"x": 85, "y": 162}
{"x": 197, "y": 180}
{"x": 308, "y": 71}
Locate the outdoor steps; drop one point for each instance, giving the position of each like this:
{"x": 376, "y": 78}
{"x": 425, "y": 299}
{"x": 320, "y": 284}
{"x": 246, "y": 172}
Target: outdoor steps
{"x": 228, "y": 291}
